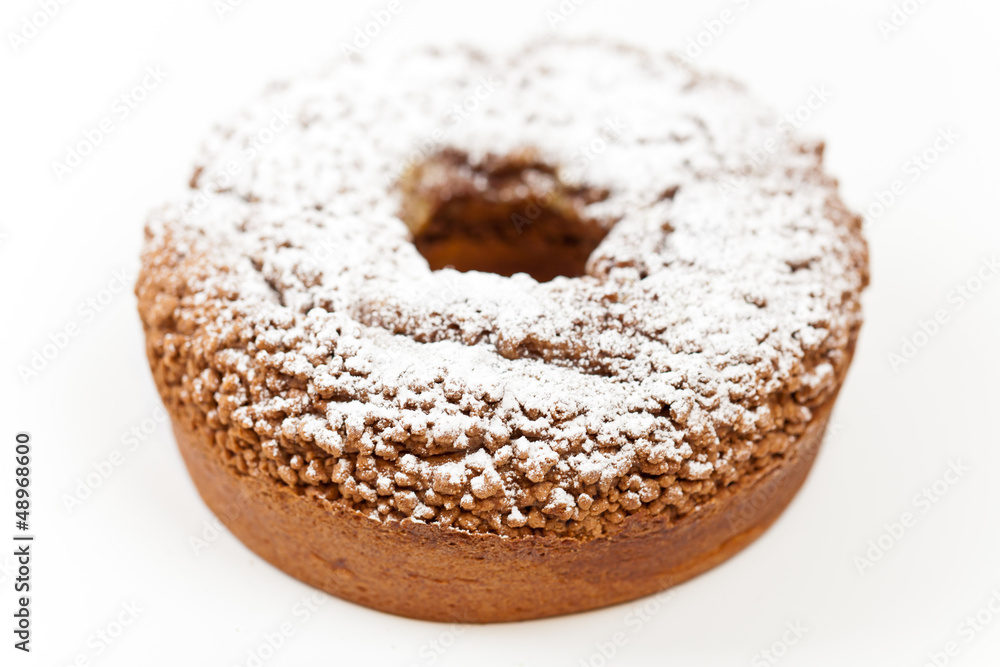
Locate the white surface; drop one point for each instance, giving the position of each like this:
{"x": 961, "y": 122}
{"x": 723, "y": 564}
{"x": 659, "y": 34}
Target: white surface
{"x": 895, "y": 430}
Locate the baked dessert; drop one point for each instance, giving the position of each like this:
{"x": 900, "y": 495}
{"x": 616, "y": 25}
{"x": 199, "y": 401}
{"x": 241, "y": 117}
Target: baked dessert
{"x": 477, "y": 338}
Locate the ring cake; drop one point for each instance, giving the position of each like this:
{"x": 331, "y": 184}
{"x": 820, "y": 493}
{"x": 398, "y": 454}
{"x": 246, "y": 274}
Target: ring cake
{"x": 477, "y": 338}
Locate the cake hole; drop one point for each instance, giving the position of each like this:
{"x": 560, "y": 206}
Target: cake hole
{"x": 511, "y": 215}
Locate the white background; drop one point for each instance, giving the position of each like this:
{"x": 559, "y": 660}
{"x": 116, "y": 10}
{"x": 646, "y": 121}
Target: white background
{"x": 896, "y": 430}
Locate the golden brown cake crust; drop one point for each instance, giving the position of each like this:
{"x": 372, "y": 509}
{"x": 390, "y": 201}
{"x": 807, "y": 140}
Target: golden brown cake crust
{"x": 443, "y": 574}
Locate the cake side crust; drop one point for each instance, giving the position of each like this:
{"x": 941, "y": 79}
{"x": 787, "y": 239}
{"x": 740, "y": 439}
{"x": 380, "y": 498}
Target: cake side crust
{"x": 442, "y": 574}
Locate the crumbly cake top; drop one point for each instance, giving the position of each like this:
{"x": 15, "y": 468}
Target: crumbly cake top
{"x": 288, "y": 309}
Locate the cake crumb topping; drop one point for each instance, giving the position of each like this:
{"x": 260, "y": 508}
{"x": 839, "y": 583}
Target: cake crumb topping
{"x": 289, "y": 311}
